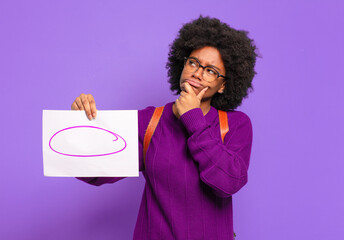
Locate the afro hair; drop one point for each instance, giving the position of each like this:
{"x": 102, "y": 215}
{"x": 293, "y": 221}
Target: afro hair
{"x": 237, "y": 50}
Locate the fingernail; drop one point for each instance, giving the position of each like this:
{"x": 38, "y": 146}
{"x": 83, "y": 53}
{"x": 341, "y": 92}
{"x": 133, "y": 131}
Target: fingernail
{"x": 94, "y": 115}
{"x": 90, "y": 117}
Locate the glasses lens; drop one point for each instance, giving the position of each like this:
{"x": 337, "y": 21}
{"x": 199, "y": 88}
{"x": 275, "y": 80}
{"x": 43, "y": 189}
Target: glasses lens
{"x": 209, "y": 74}
{"x": 191, "y": 65}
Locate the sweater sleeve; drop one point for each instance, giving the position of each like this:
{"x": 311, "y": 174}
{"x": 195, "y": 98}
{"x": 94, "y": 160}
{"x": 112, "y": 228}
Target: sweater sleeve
{"x": 222, "y": 166}
{"x": 97, "y": 181}
{"x": 143, "y": 120}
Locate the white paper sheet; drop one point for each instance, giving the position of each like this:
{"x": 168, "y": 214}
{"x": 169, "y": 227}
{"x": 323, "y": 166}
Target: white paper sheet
{"x": 74, "y": 146}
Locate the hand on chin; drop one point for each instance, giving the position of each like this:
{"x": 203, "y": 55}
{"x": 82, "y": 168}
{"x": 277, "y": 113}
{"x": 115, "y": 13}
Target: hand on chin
{"x": 196, "y": 90}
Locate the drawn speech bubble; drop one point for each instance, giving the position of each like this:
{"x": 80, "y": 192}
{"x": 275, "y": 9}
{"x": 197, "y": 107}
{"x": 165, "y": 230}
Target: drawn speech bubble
{"x": 86, "y": 141}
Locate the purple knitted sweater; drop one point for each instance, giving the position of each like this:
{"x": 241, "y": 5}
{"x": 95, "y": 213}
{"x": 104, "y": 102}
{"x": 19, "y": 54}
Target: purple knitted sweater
{"x": 190, "y": 174}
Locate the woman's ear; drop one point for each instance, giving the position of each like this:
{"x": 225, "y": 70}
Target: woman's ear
{"x": 222, "y": 88}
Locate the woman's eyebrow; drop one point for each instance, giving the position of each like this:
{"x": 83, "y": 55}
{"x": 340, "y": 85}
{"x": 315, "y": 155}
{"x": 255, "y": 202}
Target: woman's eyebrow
{"x": 210, "y": 65}
{"x": 214, "y": 67}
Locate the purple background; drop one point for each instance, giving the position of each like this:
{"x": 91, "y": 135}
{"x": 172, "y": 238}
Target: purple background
{"x": 52, "y": 51}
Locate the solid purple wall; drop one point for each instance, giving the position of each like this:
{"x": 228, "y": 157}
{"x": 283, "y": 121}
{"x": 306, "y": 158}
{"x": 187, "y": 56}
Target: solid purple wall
{"x": 51, "y": 51}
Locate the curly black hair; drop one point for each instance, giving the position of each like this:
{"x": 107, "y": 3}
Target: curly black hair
{"x": 237, "y": 50}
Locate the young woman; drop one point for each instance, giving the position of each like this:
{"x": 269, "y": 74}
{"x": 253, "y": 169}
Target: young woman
{"x": 191, "y": 172}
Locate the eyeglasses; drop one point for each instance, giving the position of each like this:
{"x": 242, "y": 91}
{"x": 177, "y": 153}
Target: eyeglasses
{"x": 209, "y": 74}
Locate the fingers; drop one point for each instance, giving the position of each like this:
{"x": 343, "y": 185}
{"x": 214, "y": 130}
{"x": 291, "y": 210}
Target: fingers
{"x": 189, "y": 99}
{"x": 183, "y": 93}
{"x": 79, "y": 103}
{"x": 87, "y": 103}
{"x": 74, "y": 106}
{"x": 188, "y": 88}
{"x": 92, "y": 105}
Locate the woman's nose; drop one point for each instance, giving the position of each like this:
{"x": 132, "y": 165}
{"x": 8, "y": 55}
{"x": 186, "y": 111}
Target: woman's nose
{"x": 199, "y": 73}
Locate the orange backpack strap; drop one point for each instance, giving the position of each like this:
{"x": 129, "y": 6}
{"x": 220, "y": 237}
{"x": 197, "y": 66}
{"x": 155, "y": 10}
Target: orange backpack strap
{"x": 150, "y": 131}
{"x": 223, "y": 118}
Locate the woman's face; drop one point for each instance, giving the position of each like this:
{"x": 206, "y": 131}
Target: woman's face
{"x": 207, "y": 56}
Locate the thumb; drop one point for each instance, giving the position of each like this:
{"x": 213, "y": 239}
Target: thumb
{"x": 201, "y": 94}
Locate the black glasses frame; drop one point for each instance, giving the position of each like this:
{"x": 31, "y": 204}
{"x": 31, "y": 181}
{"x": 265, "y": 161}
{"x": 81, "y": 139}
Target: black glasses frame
{"x": 200, "y": 65}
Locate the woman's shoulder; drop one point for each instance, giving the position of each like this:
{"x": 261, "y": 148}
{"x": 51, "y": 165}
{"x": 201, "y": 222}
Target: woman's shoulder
{"x": 237, "y": 114}
{"x": 147, "y": 112}
{"x": 239, "y": 117}
{"x": 145, "y": 115}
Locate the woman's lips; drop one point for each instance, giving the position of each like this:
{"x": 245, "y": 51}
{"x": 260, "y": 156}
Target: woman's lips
{"x": 193, "y": 83}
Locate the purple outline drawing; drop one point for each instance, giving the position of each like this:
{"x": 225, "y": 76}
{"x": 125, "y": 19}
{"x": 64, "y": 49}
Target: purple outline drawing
{"x": 105, "y": 154}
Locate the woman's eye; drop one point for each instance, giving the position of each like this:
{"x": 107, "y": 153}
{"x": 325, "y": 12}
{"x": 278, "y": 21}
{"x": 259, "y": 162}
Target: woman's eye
{"x": 192, "y": 63}
{"x": 211, "y": 71}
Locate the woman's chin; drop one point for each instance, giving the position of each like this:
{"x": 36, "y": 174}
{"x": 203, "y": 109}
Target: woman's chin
{"x": 196, "y": 90}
